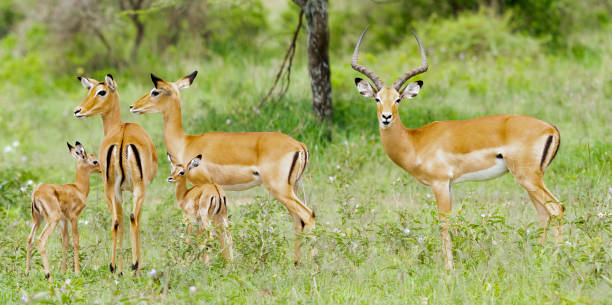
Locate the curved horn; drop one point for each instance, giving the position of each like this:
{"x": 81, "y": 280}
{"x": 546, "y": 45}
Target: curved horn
{"x": 359, "y": 68}
{"x": 416, "y": 71}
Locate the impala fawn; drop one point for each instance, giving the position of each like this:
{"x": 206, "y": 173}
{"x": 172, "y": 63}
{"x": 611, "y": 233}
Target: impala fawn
{"x": 64, "y": 203}
{"x": 202, "y": 201}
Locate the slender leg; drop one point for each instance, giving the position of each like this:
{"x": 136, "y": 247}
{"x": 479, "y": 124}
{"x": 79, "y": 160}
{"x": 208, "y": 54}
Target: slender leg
{"x": 36, "y": 220}
{"x": 75, "y": 244}
{"x": 225, "y": 237}
{"x": 297, "y": 226}
{"x": 188, "y": 235}
{"x": 543, "y": 217}
{"x": 42, "y": 242}
{"x": 117, "y": 231}
{"x": 443, "y": 198}
{"x": 205, "y": 230}
{"x": 65, "y": 238}
{"x": 139, "y": 196}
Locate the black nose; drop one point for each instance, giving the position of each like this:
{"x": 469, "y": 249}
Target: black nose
{"x": 131, "y": 106}
{"x": 95, "y": 162}
{"x": 170, "y": 180}
{"x": 77, "y": 111}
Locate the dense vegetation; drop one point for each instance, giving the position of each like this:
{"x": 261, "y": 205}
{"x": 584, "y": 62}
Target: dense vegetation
{"x": 377, "y": 232}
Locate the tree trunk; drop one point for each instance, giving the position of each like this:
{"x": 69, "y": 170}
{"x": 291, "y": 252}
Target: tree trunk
{"x": 318, "y": 57}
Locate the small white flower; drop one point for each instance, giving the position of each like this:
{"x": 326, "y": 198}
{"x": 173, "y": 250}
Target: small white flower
{"x": 568, "y": 243}
{"x": 228, "y": 121}
{"x": 428, "y": 195}
{"x": 116, "y": 282}
{"x": 483, "y": 215}
{"x": 357, "y": 206}
{"x": 192, "y": 289}
{"x": 610, "y": 190}
{"x": 346, "y": 143}
{"x": 23, "y": 188}
{"x": 24, "y": 159}
{"x": 420, "y": 240}
{"x": 338, "y": 167}
{"x": 63, "y": 289}
{"x": 256, "y": 110}
{"x": 8, "y": 149}
{"x": 601, "y": 215}
{"x": 24, "y": 298}
{"x": 153, "y": 273}
{"x": 332, "y": 179}
{"x": 68, "y": 281}
{"x": 336, "y": 230}
{"x": 15, "y": 143}
{"x": 406, "y": 231}
{"x": 30, "y": 182}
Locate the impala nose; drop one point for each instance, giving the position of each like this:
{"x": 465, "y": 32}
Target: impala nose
{"x": 131, "y": 106}
{"x": 386, "y": 118}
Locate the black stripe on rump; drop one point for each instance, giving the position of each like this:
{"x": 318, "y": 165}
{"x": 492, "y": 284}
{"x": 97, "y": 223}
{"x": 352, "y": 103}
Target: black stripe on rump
{"x": 121, "y": 158}
{"x": 295, "y": 156}
{"x": 137, "y": 155}
{"x": 556, "y": 148}
{"x": 108, "y": 157}
{"x": 546, "y": 147}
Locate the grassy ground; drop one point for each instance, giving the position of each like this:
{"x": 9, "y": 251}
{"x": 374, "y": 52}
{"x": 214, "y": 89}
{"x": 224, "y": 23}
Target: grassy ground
{"x": 377, "y": 233}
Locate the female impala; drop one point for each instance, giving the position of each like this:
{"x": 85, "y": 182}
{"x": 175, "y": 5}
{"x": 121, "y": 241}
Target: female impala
{"x": 236, "y": 161}
{"x": 202, "y": 202}
{"x": 64, "y": 203}
{"x": 442, "y": 153}
{"x": 129, "y": 161}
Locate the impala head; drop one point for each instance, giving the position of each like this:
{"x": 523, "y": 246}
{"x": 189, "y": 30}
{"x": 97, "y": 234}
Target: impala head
{"x": 163, "y": 93}
{"x": 179, "y": 171}
{"x": 387, "y": 98}
{"x": 85, "y": 160}
{"x": 100, "y": 96}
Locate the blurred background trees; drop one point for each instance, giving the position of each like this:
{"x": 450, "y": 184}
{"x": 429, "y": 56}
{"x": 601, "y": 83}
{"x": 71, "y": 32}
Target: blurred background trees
{"x": 59, "y": 38}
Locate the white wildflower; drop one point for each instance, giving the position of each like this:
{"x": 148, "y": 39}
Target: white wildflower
{"x": 332, "y": 179}
{"x": 406, "y": 231}
{"x": 228, "y": 121}
{"x": 15, "y": 143}
{"x": 24, "y": 298}
{"x": 420, "y": 240}
{"x": 153, "y": 273}
{"x": 8, "y": 149}
{"x": 346, "y": 143}
{"x": 192, "y": 289}
{"x": 428, "y": 195}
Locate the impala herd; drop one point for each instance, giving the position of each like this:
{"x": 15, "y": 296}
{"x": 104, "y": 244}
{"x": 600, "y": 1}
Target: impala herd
{"x": 438, "y": 155}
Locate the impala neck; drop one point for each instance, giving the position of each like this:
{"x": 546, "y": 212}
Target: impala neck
{"x": 174, "y": 134}
{"x": 112, "y": 118}
{"x": 82, "y": 180}
{"x": 181, "y": 191}
{"x": 397, "y": 141}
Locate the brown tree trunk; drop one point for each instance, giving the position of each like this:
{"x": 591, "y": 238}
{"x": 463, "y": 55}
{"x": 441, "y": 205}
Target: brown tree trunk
{"x": 318, "y": 56}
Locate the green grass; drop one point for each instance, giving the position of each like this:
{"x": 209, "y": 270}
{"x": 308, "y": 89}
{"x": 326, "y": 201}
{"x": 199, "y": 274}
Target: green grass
{"x": 377, "y": 233}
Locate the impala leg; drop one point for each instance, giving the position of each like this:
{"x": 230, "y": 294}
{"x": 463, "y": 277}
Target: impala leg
{"x": 36, "y": 220}
{"x": 139, "y": 196}
{"x": 75, "y": 245}
{"x": 188, "y": 233}
{"x": 116, "y": 226}
{"x": 443, "y": 199}
{"x": 303, "y": 219}
{"x": 205, "y": 231}
{"x": 42, "y": 242}
{"x": 225, "y": 237}
{"x": 543, "y": 218}
{"x": 65, "y": 238}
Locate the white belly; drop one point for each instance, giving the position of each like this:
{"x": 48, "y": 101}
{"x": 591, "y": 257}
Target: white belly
{"x": 494, "y": 171}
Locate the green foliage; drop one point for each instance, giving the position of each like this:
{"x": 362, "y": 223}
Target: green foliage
{"x": 377, "y": 233}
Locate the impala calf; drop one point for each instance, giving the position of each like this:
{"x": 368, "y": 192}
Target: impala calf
{"x": 235, "y": 161}
{"x": 442, "y": 153}
{"x": 61, "y": 203}
{"x": 201, "y": 203}
{"x": 128, "y": 161}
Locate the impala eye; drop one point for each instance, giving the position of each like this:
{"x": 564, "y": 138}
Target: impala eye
{"x": 154, "y": 93}
{"x": 102, "y": 92}
{"x": 181, "y": 173}
{"x": 377, "y": 100}
{"x": 397, "y": 101}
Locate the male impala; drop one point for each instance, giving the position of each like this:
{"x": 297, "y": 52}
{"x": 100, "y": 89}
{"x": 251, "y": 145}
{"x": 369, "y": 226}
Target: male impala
{"x": 442, "y": 153}
{"x": 128, "y": 161}
{"x": 236, "y": 161}
{"x": 63, "y": 203}
{"x": 200, "y": 203}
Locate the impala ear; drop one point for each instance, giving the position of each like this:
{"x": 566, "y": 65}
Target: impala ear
{"x": 195, "y": 162}
{"x": 365, "y": 88}
{"x": 156, "y": 80}
{"x": 80, "y": 150}
{"x": 169, "y": 156}
{"x": 412, "y": 89}
{"x": 186, "y": 81}
{"x": 85, "y": 82}
{"x": 110, "y": 82}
